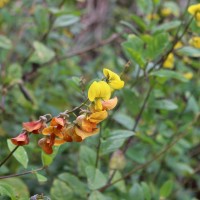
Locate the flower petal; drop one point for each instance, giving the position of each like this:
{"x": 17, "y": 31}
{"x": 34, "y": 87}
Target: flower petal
{"x": 113, "y": 79}
{"x": 21, "y": 139}
{"x": 48, "y": 130}
{"x": 84, "y": 134}
{"x": 109, "y": 104}
{"x": 194, "y": 8}
{"x": 94, "y": 91}
{"x": 33, "y": 126}
{"x": 57, "y": 121}
{"x": 97, "y": 117}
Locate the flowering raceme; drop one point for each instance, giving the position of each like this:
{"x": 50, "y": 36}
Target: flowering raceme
{"x": 61, "y": 130}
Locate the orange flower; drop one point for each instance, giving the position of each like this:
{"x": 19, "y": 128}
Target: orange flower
{"x": 21, "y": 139}
{"x": 87, "y": 126}
{"x": 56, "y": 126}
{"x": 70, "y": 134}
{"x": 34, "y": 126}
{"x": 47, "y": 144}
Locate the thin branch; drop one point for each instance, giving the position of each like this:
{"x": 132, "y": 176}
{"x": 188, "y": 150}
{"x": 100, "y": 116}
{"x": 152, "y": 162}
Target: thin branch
{"x": 98, "y": 148}
{"x": 143, "y": 166}
{"x": 9, "y": 155}
{"x": 23, "y": 173}
{"x": 86, "y": 49}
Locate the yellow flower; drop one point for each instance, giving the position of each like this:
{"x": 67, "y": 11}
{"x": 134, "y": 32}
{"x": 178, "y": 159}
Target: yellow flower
{"x": 3, "y": 3}
{"x": 178, "y": 45}
{"x": 195, "y": 11}
{"x": 113, "y": 79}
{"x": 153, "y": 17}
{"x": 166, "y": 12}
{"x": 195, "y": 42}
{"x": 188, "y": 75}
{"x": 99, "y": 91}
{"x": 169, "y": 62}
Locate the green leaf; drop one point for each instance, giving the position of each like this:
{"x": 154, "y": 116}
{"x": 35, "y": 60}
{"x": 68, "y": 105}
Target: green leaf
{"x": 132, "y": 101}
{"x": 5, "y": 43}
{"x": 6, "y": 191}
{"x": 115, "y": 140}
{"x": 47, "y": 159}
{"x": 60, "y": 190}
{"x": 136, "y": 192}
{"x": 133, "y": 48}
{"x": 156, "y": 45}
{"x": 189, "y": 51}
{"x": 166, "y": 189}
{"x": 73, "y": 182}
{"x": 41, "y": 17}
{"x": 40, "y": 177}
{"x": 20, "y": 154}
{"x": 96, "y": 195}
{"x": 167, "y": 26}
{"x": 14, "y": 73}
{"x": 146, "y": 191}
{"x": 15, "y": 187}
{"x": 87, "y": 157}
{"x": 65, "y": 20}
{"x": 42, "y": 53}
{"x": 95, "y": 178}
{"x": 164, "y": 105}
{"x": 168, "y": 74}
{"x": 138, "y": 20}
{"x": 121, "y": 184}
{"x": 124, "y": 120}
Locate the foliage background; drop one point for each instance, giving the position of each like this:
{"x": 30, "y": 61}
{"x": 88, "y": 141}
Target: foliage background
{"x": 50, "y": 51}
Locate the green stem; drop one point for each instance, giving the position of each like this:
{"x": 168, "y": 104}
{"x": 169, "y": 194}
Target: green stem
{"x": 23, "y": 173}
{"x": 98, "y": 148}
{"x": 143, "y": 166}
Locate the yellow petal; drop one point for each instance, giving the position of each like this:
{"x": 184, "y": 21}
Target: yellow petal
{"x": 188, "y": 75}
{"x": 169, "y": 62}
{"x": 195, "y": 42}
{"x": 97, "y": 117}
{"x": 48, "y": 130}
{"x": 116, "y": 84}
{"x": 99, "y": 90}
{"x": 93, "y": 91}
{"x": 84, "y": 134}
{"x": 113, "y": 79}
{"x": 105, "y": 92}
{"x": 193, "y": 9}
{"x": 58, "y": 142}
{"x": 98, "y": 105}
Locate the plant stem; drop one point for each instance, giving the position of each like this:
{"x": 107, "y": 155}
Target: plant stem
{"x": 98, "y": 148}
{"x": 9, "y": 155}
{"x": 23, "y": 173}
{"x": 140, "y": 167}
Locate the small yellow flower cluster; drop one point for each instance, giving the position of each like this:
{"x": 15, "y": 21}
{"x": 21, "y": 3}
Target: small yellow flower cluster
{"x": 195, "y": 42}
{"x": 169, "y": 62}
{"x": 194, "y": 10}
{"x": 3, "y": 3}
